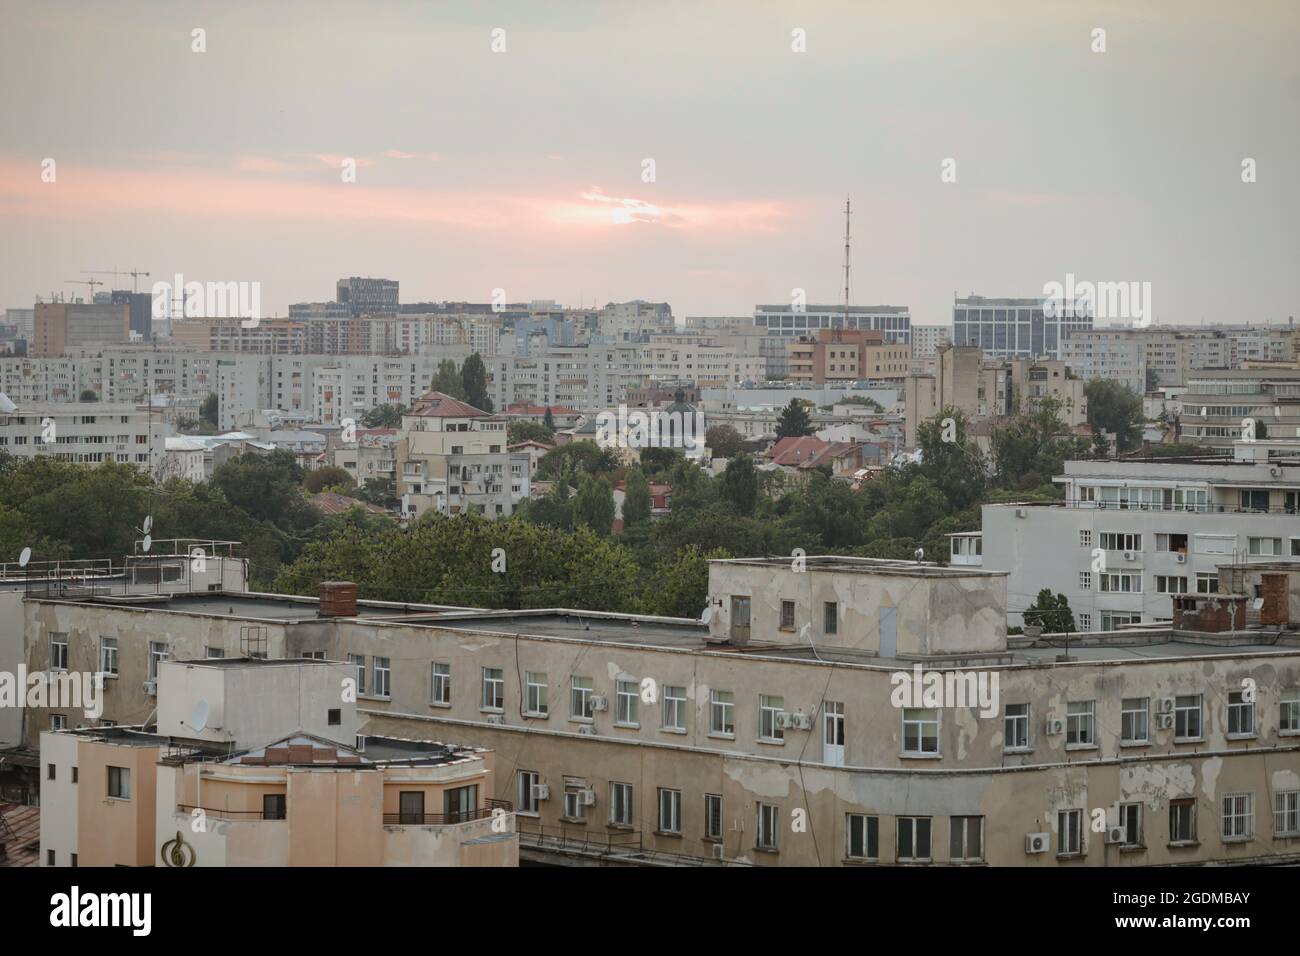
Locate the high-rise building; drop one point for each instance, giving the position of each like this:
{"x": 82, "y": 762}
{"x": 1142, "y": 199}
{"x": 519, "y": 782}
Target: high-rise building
{"x": 895, "y": 321}
{"x": 61, "y": 325}
{"x": 1013, "y": 328}
{"x": 366, "y": 296}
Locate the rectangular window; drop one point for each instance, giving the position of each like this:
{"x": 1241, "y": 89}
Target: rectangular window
{"x": 768, "y": 708}
{"x": 620, "y": 804}
{"x": 768, "y": 825}
{"x": 863, "y": 836}
{"x": 830, "y": 618}
{"x": 580, "y": 698}
{"x": 58, "y": 721}
{"x": 494, "y": 689}
{"x": 670, "y": 811}
{"x": 108, "y": 655}
{"x": 527, "y": 801}
{"x": 1080, "y": 723}
{"x": 626, "y": 701}
{"x": 1120, "y": 541}
{"x": 712, "y": 816}
{"x": 1241, "y": 715}
{"x": 1286, "y": 813}
{"x": 1130, "y": 818}
{"x": 1269, "y": 547}
{"x": 1207, "y": 582}
{"x": 383, "y": 677}
{"x": 58, "y": 652}
{"x": 460, "y": 804}
{"x": 913, "y": 839}
{"x": 273, "y": 806}
{"x": 538, "y": 702}
{"x": 966, "y": 839}
{"x": 359, "y": 662}
{"x": 920, "y": 731}
{"x": 674, "y": 707}
{"x": 1119, "y": 583}
{"x": 157, "y": 654}
{"x": 1187, "y": 717}
{"x": 722, "y": 708}
{"x": 1182, "y": 821}
{"x": 1015, "y": 730}
{"x": 1085, "y": 580}
{"x": 1069, "y": 832}
{"x": 1289, "y": 712}
{"x": 1085, "y": 536}
{"x": 574, "y": 807}
{"x": 1134, "y": 720}
{"x": 1171, "y": 584}
{"x": 440, "y": 683}
{"x": 1238, "y": 816}
{"x": 787, "y": 615}
{"x": 119, "y": 783}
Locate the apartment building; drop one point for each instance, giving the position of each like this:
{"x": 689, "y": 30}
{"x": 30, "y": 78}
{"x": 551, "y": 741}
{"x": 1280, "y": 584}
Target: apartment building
{"x": 366, "y": 296}
{"x": 267, "y": 337}
{"x": 835, "y": 355}
{"x": 776, "y": 730}
{"x": 928, "y": 339}
{"x": 60, "y": 325}
{"x": 87, "y": 433}
{"x": 893, "y": 321}
{"x": 589, "y": 378}
{"x": 453, "y": 457}
{"x": 1013, "y": 328}
{"x": 1132, "y": 535}
{"x": 256, "y": 762}
{"x": 703, "y": 360}
{"x": 1221, "y": 406}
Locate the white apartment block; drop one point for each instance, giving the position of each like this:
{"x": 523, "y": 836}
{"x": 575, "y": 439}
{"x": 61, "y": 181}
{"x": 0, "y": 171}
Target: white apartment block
{"x": 702, "y": 359}
{"x": 584, "y": 377}
{"x": 1132, "y": 533}
{"x": 87, "y": 433}
{"x": 1218, "y": 404}
{"x": 1012, "y": 328}
{"x": 928, "y": 339}
{"x": 787, "y": 320}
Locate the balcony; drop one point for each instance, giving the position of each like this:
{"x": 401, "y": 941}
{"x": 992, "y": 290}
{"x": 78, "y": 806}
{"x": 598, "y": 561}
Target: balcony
{"x": 447, "y": 819}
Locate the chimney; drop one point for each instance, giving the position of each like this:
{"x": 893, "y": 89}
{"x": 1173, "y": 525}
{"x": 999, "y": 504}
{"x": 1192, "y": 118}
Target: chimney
{"x": 337, "y": 599}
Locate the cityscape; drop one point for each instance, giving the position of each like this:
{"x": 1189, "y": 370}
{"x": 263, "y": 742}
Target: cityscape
{"x": 326, "y": 542}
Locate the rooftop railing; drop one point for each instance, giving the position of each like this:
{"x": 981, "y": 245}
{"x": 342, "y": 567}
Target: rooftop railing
{"x": 410, "y": 819}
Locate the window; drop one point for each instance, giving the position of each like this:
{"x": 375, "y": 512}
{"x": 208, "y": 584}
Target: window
{"x": 1085, "y": 622}
{"x": 1015, "y": 727}
{"x": 214, "y": 652}
{"x": 119, "y": 783}
{"x": 1286, "y": 813}
{"x": 1207, "y": 582}
{"x": 1187, "y": 717}
{"x": 620, "y": 804}
{"x": 383, "y": 677}
{"x": 1182, "y": 821}
{"x": 494, "y": 689}
{"x": 1238, "y": 816}
{"x": 527, "y": 780}
{"x": 359, "y": 661}
{"x": 722, "y": 708}
{"x": 966, "y": 839}
{"x": 1085, "y": 580}
{"x": 1289, "y": 712}
{"x": 74, "y": 860}
{"x": 74, "y": 774}
{"x": 626, "y": 700}
{"x": 440, "y": 684}
{"x": 460, "y": 804}
{"x": 157, "y": 654}
{"x": 1069, "y": 832}
{"x": 58, "y": 722}
{"x": 1130, "y": 818}
{"x": 334, "y": 716}
{"x": 108, "y": 655}
{"x": 830, "y": 618}
{"x": 1241, "y": 715}
{"x": 1120, "y": 583}
{"x": 410, "y": 807}
{"x": 49, "y": 858}
{"x": 920, "y": 731}
{"x": 768, "y": 708}
{"x": 1169, "y": 584}
{"x": 768, "y": 825}
{"x": 1134, "y": 720}
{"x": 913, "y": 839}
{"x": 1085, "y": 539}
{"x": 580, "y": 698}
{"x": 574, "y": 806}
{"x": 273, "y": 806}
{"x": 1270, "y": 547}
{"x": 787, "y": 615}
{"x": 58, "y": 652}
{"x": 1120, "y": 541}
{"x": 1080, "y": 723}
{"x": 674, "y": 707}
{"x": 712, "y": 816}
{"x": 670, "y": 811}
{"x": 538, "y": 693}
{"x": 863, "y": 837}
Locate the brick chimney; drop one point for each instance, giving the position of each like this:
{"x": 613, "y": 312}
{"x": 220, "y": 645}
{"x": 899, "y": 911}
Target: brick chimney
{"x": 337, "y": 599}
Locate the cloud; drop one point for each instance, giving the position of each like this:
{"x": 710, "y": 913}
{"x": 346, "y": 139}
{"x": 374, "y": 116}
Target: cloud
{"x": 399, "y": 154}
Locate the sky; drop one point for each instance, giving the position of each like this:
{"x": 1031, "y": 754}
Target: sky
{"x": 525, "y": 170}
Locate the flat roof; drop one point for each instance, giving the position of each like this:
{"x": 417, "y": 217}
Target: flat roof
{"x": 580, "y": 625}
{"x": 849, "y": 565}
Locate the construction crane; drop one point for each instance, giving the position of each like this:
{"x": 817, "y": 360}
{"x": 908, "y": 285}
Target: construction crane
{"x": 135, "y": 275}
{"x": 90, "y": 282}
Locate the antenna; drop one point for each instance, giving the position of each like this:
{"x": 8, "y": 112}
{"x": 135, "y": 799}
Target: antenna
{"x": 847, "y": 267}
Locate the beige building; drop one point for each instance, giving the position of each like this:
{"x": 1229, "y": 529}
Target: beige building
{"x": 837, "y": 355}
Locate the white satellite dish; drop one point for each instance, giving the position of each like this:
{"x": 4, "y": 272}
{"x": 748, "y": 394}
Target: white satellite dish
{"x": 148, "y": 524}
{"x": 707, "y": 616}
{"x": 24, "y": 557}
{"x": 6, "y": 405}
{"x": 148, "y": 543}
{"x": 199, "y": 719}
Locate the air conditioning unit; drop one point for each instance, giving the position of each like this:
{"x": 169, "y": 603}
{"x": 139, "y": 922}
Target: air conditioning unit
{"x": 1180, "y": 558}
{"x": 803, "y": 721}
{"x": 1021, "y": 512}
{"x": 784, "y": 721}
{"x": 151, "y": 688}
{"x": 496, "y": 719}
{"x": 1037, "y": 842}
{"x": 1165, "y": 705}
{"x": 717, "y": 851}
{"x": 1164, "y": 721}
{"x": 587, "y": 730}
{"x": 1130, "y": 556}
{"x": 1115, "y": 835}
{"x": 1055, "y": 726}
{"x": 360, "y": 743}
{"x": 587, "y": 798}
{"x": 599, "y": 702}
{"x": 541, "y": 791}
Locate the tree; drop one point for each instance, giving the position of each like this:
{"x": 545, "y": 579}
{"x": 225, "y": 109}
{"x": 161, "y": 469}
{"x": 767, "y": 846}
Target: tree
{"x": 593, "y": 505}
{"x": 208, "y": 409}
{"x": 378, "y": 491}
{"x": 88, "y": 395}
{"x": 794, "y": 421}
{"x": 525, "y": 430}
{"x": 657, "y": 461}
{"x": 1033, "y": 447}
{"x": 327, "y": 477}
{"x": 1113, "y": 407}
{"x": 548, "y": 420}
{"x": 448, "y": 380}
{"x": 739, "y": 485}
{"x": 636, "y": 499}
{"x": 679, "y": 586}
{"x": 584, "y": 456}
{"x": 384, "y": 416}
{"x": 1051, "y": 613}
{"x": 473, "y": 376}
{"x": 723, "y": 440}
{"x": 950, "y": 459}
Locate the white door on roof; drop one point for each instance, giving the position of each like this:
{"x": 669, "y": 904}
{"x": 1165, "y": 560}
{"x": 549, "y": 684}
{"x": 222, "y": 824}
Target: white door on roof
{"x": 833, "y": 733}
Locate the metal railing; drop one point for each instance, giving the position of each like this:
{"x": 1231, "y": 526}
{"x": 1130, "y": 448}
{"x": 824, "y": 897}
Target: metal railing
{"x": 447, "y": 819}
{"x": 628, "y": 845}
{"x": 239, "y": 816}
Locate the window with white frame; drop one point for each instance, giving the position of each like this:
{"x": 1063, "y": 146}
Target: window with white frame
{"x": 58, "y": 651}
{"x": 626, "y": 701}
{"x": 108, "y": 656}
{"x": 1238, "y": 816}
{"x": 862, "y": 837}
{"x": 1130, "y": 818}
{"x": 1289, "y": 712}
{"x": 1085, "y": 621}
{"x": 119, "y": 783}
{"x": 359, "y": 662}
{"x": 966, "y": 839}
{"x": 768, "y": 708}
{"x": 1069, "y": 832}
{"x": 1085, "y": 580}
{"x": 1111, "y": 620}
{"x": 1085, "y": 538}
{"x": 1182, "y": 821}
{"x": 768, "y": 825}
{"x": 574, "y": 806}
{"x": 494, "y": 688}
{"x": 722, "y": 711}
{"x": 620, "y": 804}
{"x": 157, "y": 654}
{"x": 383, "y": 677}
{"x": 1268, "y": 547}
{"x": 713, "y": 816}
{"x": 1207, "y": 582}
{"x": 1187, "y": 717}
{"x": 1241, "y": 715}
{"x": 1081, "y": 723}
{"x": 580, "y": 698}
{"x": 59, "y": 722}
{"x": 1134, "y": 720}
{"x": 1171, "y": 584}
{"x": 528, "y": 779}
{"x": 1120, "y": 541}
{"x": 1015, "y": 727}
{"x": 440, "y": 683}
{"x": 920, "y": 731}
{"x": 674, "y": 707}
{"x": 670, "y": 811}
{"x": 1286, "y": 813}
{"x": 220, "y": 652}
{"x": 1120, "y": 582}
{"x": 913, "y": 839}
{"x": 537, "y": 693}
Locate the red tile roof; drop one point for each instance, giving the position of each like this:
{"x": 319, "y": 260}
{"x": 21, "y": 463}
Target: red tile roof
{"x": 807, "y": 452}
{"x": 20, "y": 835}
{"x": 439, "y": 405}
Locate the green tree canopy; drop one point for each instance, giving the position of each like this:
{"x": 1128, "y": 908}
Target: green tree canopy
{"x": 473, "y": 376}
{"x": 636, "y": 499}
{"x": 794, "y": 420}
{"x": 1114, "y": 407}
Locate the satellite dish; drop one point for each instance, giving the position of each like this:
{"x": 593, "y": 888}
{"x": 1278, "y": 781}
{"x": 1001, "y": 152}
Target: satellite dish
{"x": 919, "y": 554}
{"x": 707, "y": 615}
{"x": 6, "y": 405}
{"x": 199, "y": 719}
{"x": 148, "y": 524}
{"x": 24, "y": 557}
{"x": 148, "y": 542}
